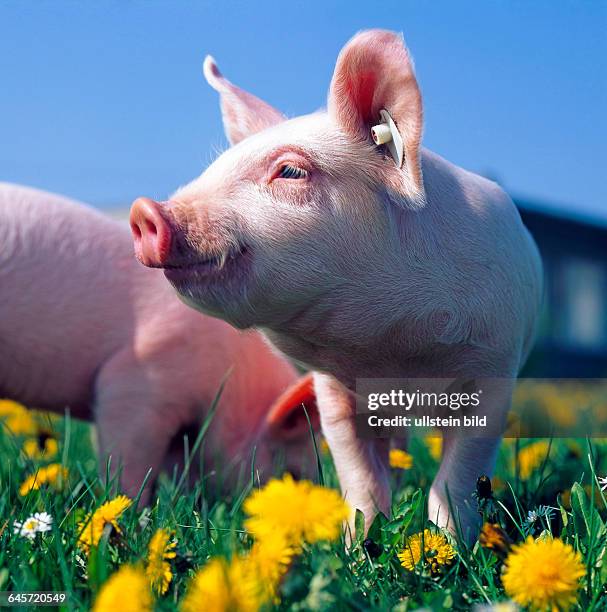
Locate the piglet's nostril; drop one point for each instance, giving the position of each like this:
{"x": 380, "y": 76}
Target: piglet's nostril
{"x": 150, "y": 227}
{"x": 136, "y": 231}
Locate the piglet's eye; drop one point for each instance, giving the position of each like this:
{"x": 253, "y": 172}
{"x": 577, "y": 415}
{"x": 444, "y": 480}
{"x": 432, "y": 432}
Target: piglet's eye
{"x": 292, "y": 172}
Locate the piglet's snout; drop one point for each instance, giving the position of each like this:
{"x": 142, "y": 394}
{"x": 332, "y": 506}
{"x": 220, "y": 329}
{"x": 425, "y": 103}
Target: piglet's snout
{"x": 151, "y": 233}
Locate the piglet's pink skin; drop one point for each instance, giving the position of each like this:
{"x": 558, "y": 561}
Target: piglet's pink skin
{"x": 84, "y": 326}
{"x": 353, "y": 266}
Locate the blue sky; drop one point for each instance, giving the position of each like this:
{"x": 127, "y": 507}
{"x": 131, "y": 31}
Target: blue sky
{"x": 105, "y": 101}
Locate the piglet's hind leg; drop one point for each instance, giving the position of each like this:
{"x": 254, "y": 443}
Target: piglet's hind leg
{"x": 135, "y": 425}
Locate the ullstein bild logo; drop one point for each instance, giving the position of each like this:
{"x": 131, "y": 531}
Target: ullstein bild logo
{"x": 483, "y": 407}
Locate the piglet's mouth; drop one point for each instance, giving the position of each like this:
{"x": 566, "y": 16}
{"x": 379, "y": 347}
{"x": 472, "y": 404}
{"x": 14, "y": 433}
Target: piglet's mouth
{"x": 209, "y": 266}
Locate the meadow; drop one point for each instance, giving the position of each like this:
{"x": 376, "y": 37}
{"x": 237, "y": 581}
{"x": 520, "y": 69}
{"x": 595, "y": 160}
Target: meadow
{"x": 281, "y": 546}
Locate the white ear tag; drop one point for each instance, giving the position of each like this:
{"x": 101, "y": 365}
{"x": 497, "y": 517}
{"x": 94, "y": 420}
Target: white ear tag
{"x": 387, "y": 133}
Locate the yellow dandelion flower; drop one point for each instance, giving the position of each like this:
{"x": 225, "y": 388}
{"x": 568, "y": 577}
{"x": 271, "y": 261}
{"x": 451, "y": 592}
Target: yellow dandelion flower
{"x": 246, "y": 583}
{"x": 434, "y": 443}
{"x": 432, "y": 549}
{"x": 91, "y": 528}
{"x": 9, "y": 407}
{"x": 270, "y": 560}
{"x": 53, "y": 474}
{"x": 37, "y": 448}
{"x": 543, "y": 574}
{"x": 17, "y": 418}
{"x": 562, "y": 412}
{"x": 493, "y": 537}
{"x": 223, "y": 587}
{"x": 160, "y": 550}
{"x": 128, "y": 590}
{"x": 532, "y": 457}
{"x": 300, "y": 510}
{"x": 400, "y": 459}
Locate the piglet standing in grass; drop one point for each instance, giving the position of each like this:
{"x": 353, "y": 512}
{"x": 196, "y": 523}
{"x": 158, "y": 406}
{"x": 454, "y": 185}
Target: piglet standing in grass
{"x": 357, "y": 260}
{"x": 83, "y": 326}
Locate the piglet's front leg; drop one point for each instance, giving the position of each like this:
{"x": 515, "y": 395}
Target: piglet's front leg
{"x": 362, "y": 465}
{"x": 450, "y": 501}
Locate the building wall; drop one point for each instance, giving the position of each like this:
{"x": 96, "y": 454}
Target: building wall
{"x": 572, "y": 333}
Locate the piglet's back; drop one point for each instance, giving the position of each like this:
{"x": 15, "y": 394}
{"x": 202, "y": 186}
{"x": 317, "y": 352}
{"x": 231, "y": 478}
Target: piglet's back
{"x": 67, "y": 281}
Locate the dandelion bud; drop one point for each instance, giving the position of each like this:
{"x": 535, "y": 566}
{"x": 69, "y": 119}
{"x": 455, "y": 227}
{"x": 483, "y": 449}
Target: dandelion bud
{"x": 483, "y": 487}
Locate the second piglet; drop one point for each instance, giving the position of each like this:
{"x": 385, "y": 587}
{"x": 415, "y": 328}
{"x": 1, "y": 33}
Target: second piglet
{"x": 83, "y": 326}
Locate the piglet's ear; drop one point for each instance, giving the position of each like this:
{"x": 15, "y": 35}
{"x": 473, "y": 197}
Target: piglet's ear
{"x": 374, "y": 72}
{"x": 243, "y": 113}
{"x": 286, "y": 418}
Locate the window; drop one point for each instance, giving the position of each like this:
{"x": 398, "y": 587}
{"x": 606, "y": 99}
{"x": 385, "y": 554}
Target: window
{"x": 581, "y": 303}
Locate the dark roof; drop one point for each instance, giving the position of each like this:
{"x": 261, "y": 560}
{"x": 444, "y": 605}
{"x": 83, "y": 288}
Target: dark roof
{"x": 568, "y": 214}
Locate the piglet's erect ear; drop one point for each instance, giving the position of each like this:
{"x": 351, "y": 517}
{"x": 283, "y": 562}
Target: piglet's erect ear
{"x": 374, "y": 72}
{"x": 243, "y": 113}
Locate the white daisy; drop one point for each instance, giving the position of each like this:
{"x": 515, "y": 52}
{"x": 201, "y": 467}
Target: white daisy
{"x": 37, "y": 523}
{"x": 603, "y": 483}
{"x": 502, "y": 606}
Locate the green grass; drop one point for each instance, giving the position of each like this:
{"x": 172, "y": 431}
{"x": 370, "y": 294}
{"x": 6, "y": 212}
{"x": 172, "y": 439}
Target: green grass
{"x": 325, "y": 576}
